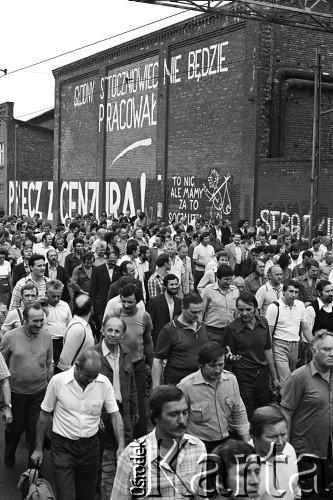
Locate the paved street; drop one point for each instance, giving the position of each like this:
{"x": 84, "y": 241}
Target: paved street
{"x": 9, "y": 477}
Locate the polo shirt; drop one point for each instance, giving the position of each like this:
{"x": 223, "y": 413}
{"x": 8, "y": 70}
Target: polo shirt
{"x": 77, "y": 412}
{"x": 203, "y": 254}
{"x": 138, "y": 331}
{"x": 266, "y": 295}
{"x": 289, "y": 320}
{"x": 249, "y": 344}
{"x": 214, "y": 410}
{"x": 28, "y": 359}
{"x": 219, "y": 306}
{"x": 310, "y": 399}
{"x": 179, "y": 344}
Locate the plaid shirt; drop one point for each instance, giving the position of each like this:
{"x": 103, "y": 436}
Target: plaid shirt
{"x": 141, "y": 471}
{"x": 17, "y": 296}
{"x": 155, "y": 285}
{"x": 4, "y": 372}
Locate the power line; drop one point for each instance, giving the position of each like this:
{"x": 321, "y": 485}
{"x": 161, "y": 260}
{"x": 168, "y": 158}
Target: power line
{"x": 91, "y": 44}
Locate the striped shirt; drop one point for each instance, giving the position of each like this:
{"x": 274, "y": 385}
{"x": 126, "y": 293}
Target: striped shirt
{"x": 17, "y": 296}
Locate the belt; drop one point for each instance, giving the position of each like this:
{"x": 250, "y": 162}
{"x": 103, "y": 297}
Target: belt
{"x": 79, "y": 440}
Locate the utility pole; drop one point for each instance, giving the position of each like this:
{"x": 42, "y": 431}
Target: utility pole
{"x": 316, "y": 149}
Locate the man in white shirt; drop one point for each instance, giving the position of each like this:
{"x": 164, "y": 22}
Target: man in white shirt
{"x": 142, "y": 265}
{"x": 270, "y": 291}
{"x": 76, "y": 398}
{"x": 58, "y": 317}
{"x": 45, "y": 245}
{"x": 285, "y": 319}
{"x": 202, "y": 254}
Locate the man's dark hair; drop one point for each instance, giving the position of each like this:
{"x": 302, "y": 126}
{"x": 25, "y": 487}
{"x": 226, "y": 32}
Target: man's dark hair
{"x": 248, "y": 299}
{"x": 81, "y": 307}
{"x": 73, "y": 225}
{"x": 307, "y": 253}
{"x": 311, "y": 263}
{"x": 169, "y": 277}
{"x": 88, "y": 256}
{"x": 294, "y": 247}
{"x": 123, "y": 267}
{"x": 289, "y": 283}
{"x": 227, "y": 454}
{"x": 131, "y": 247}
{"x": 35, "y": 305}
{"x": 321, "y": 285}
{"x": 4, "y": 251}
{"x": 255, "y": 263}
{"x": 191, "y": 298}
{"x": 35, "y": 257}
{"x": 223, "y": 271}
{"x": 266, "y": 415}
{"x": 159, "y": 397}
{"x": 210, "y": 352}
{"x": 269, "y": 249}
{"x": 44, "y": 236}
{"x": 203, "y": 236}
{"x": 162, "y": 259}
{"x": 29, "y": 286}
{"x": 131, "y": 289}
{"x": 76, "y": 241}
{"x": 143, "y": 249}
{"x": 316, "y": 241}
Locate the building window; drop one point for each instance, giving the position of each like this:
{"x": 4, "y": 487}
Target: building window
{"x": 2, "y": 153}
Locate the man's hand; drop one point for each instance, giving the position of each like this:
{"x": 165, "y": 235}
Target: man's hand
{"x": 276, "y": 384}
{"x": 135, "y": 419}
{"x": 120, "y": 450}
{"x": 37, "y": 457}
{"x": 7, "y": 415}
{"x": 231, "y": 357}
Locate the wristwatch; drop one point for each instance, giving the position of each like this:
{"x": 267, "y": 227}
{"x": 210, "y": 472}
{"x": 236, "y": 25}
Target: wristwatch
{"x": 9, "y": 405}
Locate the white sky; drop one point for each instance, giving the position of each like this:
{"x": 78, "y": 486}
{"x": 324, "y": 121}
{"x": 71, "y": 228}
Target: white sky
{"x": 34, "y": 30}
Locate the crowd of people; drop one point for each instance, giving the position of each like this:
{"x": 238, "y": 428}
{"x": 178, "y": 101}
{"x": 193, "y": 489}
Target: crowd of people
{"x": 227, "y": 330}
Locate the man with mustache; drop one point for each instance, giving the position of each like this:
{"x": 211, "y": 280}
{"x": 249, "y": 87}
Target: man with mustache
{"x": 167, "y": 463}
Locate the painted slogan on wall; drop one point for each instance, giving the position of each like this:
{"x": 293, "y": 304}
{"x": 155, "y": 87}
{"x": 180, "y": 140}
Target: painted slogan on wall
{"x": 127, "y": 114}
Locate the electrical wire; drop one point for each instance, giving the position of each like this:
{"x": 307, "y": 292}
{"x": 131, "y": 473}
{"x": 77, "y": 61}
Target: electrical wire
{"x": 92, "y": 44}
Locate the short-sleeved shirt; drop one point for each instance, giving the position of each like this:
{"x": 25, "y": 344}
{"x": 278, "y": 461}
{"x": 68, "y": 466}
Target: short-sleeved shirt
{"x": 310, "y": 397}
{"x": 203, "y": 254}
{"x": 219, "y": 306}
{"x": 266, "y": 295}
{"x": 249, "y": 344}
{"x": 4, "y": 372}
{"x": 179, "y": 345}
{"x": 17, "y": 295}
{"x": 28, "y": 359}
{"x": 138, "y": 331}
{"x": 289, "y": 320}
{"x": 76, "y": 412}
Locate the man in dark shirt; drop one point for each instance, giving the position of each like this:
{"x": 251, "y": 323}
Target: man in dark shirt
{"x": 179, "y": 343}
{"x": 248, "y": 337}
{"x": 74, "y": 259}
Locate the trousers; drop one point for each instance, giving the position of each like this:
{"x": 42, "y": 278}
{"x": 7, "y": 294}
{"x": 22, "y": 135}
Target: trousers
{"x": 75, "y": 465}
